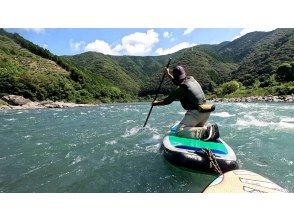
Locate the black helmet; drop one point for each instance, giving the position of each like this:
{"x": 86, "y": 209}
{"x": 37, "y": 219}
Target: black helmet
{"x": 179, "y": 73}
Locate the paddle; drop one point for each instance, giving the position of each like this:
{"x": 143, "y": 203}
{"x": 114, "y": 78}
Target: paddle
{"x": 157, "y": 93}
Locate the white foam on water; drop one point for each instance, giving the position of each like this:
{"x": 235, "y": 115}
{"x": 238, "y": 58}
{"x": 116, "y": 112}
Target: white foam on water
{"x": 32, "y": 170}
{"x": 222, "y": 114}
{"x": 287, "y": 120}
{"x": 77, "y": 160}
{"x": 104, "y": 107}
{"x": 133, "y": 131}
{"x": 126, "y": 109}
{"x": 242, "y": 105}
{"x": 111, "y": 142}
{"x": 260, "y": 165}
{"x": 83, "y": 113}
{"x": 103, "y": 158}
{"x": 15, "y": 155}
{"x": 250, "y": 120}
{"x": 63, "y": 174}
{"x": 67, "y": 155}
{"x": 285, "y": 125}
{"x": 288, "y": 107}
{"x": 154, "y": 139}
{"x": 152, "y": 129}
{"x": 153, "y": 148}
{"x": 10, "y": 119}
{"x": 288, "y": 162}
{"x": 27, "y": 136}
{"x": 181, "y": 113}
{"x": 128, "y": 121}
{"x": 39, "y": 143}
{"x": 19, "y": 112}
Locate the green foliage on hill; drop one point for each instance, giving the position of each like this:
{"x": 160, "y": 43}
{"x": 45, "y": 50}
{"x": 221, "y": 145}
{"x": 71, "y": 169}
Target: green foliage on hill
{"x": 265, "y": 56}
{"x": 205, "y": 65}
{"x": 251, "y": 59}
{"x": 105, "y": 67}
{"x": 228, "y": 88}
{"x": 285, "y": 72}
{"x": 258, "y": 62}
{"x": 281, "y": 89}
{"x": 29, "y": 70}
{"x": 241, "y": 47}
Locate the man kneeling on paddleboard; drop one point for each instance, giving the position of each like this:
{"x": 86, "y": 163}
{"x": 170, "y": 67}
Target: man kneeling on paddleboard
{"x": 192, "y": 98}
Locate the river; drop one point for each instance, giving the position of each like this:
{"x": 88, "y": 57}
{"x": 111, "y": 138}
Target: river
{"x": 105, "y": 149}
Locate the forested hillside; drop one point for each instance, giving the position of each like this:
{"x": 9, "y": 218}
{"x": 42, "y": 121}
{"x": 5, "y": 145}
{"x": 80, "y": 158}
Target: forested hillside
{"x": 256, "y": 63}
{"x": 33, "y": 72}
{"x": 251, "y": 59}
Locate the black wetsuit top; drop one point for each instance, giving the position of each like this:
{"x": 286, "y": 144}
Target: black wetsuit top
{"x": 189, "y": 93}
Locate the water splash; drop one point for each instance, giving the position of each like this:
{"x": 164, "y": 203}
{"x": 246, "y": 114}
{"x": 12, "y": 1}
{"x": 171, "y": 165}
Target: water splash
{"x": 10, "y": 119}
{"x": 250, "y": 120}
{"x": 153, "y": 148}
{"x": 77, "y": 160}
{"x": 132, "y": 132}
{"x": 154, "y": 139}
{"x": 111, "y": 142}
{"x": 223, "y": 114}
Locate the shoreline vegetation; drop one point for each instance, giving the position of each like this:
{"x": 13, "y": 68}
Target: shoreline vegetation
{"x": 256, "y": 67}
{"x": 15, "y": 102}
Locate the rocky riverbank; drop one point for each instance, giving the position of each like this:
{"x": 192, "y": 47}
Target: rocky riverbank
{"x": 270, "y": 98}
{"x": 19, "y": 102}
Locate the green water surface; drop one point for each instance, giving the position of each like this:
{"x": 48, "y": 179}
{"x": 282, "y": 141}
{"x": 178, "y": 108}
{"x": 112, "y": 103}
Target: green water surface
{"x": 105, "y": 149}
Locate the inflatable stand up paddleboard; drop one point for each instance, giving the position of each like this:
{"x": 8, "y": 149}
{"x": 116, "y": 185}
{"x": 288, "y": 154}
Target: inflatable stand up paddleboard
{"x": 192, "y": 153}
{"x": 242, "y": 181}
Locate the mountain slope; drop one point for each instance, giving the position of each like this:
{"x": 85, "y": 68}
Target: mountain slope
{"x": 29, "y": 70}
{"x": 106, "y": 67}
{"x": 241, "y": 47}
{"x": 253, "y": 56}
{"x": 275, "y": 48}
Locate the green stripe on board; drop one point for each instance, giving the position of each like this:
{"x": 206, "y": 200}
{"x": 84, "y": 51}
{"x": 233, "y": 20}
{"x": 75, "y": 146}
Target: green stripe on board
{"x": 176, "y": 141}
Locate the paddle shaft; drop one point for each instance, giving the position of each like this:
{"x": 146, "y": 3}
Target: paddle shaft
{"x": 157, "y": 92}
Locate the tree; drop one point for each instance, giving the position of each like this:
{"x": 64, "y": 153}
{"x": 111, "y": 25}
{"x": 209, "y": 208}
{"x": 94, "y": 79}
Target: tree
{"x": 230, "y": 87}
{"x": 285, "y": 72}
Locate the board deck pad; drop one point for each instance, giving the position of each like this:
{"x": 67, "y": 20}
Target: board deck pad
{"x": 242, "y": 181}
{"x": 197, "y": 145}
